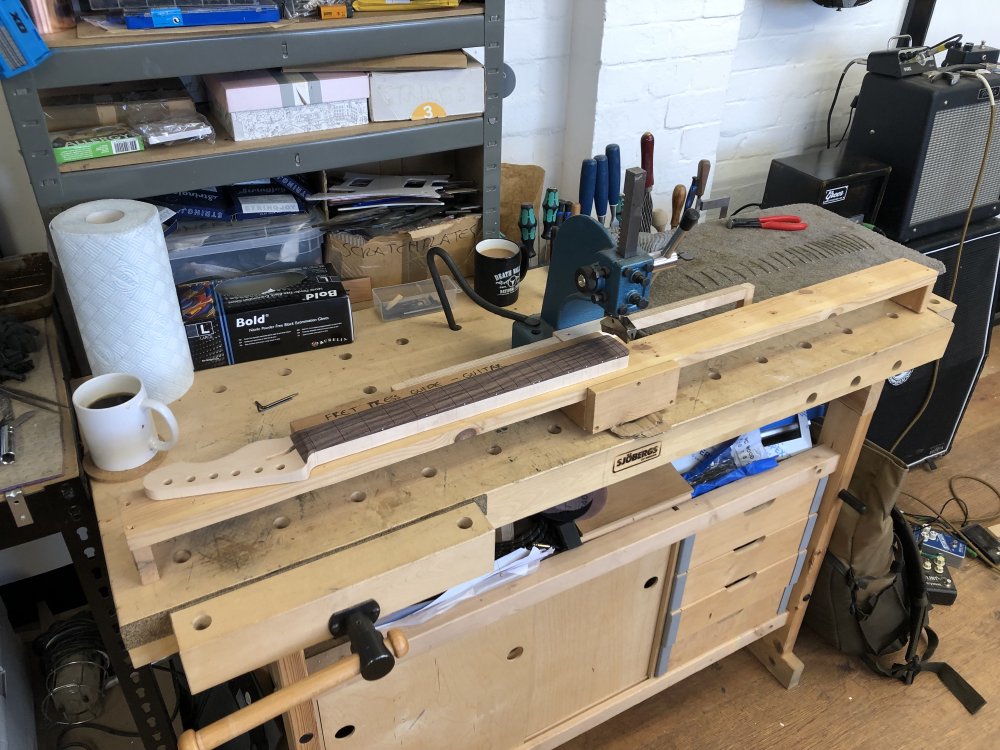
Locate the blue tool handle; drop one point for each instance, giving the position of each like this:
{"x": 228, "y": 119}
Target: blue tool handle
{"x": 614, "y": 155}
{"x": 588, "y": 184}
{"x": 692, "y": 193}
{"x": 601, "y": 188}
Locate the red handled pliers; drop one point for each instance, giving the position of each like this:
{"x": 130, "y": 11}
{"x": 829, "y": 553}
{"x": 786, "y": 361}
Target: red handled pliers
{"x": 778, "y": 223}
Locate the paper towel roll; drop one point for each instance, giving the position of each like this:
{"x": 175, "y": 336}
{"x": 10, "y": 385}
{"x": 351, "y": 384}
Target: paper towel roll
{"x": 115, "y": 264}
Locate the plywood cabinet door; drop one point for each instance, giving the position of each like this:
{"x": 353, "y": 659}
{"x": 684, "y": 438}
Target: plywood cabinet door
{"x": 499, "y": 685}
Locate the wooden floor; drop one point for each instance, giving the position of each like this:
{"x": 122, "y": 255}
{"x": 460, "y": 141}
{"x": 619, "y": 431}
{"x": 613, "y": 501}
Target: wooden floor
{"x": 839, "y": 703}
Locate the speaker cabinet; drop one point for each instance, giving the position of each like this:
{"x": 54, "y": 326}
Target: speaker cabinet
{"x": 932, "y": 134}
{"x": 851, "y": 186}
{"x": 963, "y": 360}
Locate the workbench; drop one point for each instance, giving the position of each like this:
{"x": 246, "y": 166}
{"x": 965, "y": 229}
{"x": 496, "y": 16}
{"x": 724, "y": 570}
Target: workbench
{"x": 661, "y": 587}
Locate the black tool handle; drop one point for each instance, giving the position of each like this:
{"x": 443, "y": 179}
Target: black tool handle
{"x": 367, "y": 643}
{"x": 358, "y": 624}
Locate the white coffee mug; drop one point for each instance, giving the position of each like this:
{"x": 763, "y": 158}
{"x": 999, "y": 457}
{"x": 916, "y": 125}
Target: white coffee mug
{"x": 116, "y": 422}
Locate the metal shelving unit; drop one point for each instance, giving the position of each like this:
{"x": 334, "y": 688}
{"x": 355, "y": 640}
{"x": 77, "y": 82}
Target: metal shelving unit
{"x": 82, "y": 62}
{"x": 310, "y": 42}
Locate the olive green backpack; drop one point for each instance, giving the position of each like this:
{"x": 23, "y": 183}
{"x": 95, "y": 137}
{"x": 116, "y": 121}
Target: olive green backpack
{"x": 870, "y": 598}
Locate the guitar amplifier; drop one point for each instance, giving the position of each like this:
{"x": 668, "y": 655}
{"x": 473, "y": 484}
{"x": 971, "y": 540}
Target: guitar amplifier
{"x": 850, "y": 186}
{"x": 932, "y": 134}
{"x": 975, "y": 295}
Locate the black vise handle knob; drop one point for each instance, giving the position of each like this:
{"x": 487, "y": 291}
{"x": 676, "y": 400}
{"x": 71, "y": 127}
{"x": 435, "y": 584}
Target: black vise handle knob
{"x": 358, "y": 624}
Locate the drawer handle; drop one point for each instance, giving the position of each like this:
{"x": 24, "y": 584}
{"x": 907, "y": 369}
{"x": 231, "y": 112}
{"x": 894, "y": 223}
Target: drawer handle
{"x": 760, "y": 507}
{"x": 741, "y": 581}
{"x": 275, "y": 704}
{"x": 729, "y": 616}
{"x": 752, "y": 543}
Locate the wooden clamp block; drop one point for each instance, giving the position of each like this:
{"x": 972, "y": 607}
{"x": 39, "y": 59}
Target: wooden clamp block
{"x": 252, "y": 626}
{"x": 627, "y": 397}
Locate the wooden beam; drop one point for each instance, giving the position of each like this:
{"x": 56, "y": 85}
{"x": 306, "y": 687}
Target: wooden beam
{"x": 241, "y": 630}
{"x": 844, "y": 428}
{"x": 301, "y": 722}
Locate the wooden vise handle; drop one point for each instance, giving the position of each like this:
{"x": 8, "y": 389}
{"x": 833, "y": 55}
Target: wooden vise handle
{"x": 275, "y": 704}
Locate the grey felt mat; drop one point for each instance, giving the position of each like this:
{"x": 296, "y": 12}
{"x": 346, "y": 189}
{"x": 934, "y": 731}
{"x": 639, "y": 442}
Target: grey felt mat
{"x": 776, "y": 262}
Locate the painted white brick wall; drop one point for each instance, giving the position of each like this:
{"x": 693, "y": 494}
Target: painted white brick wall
{"x": 735, "y": 81}
{"x": 787, "y": 62}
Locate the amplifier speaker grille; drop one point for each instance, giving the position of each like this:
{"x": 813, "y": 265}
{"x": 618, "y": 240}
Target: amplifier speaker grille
{"x": 953, "y": 162}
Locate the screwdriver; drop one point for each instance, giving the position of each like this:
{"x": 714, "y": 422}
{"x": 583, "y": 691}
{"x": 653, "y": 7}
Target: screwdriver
{"x": 703, "y": 169}
{"x": 677, "y": 205}
{"x": 528, "y": 225}
{"x": 601, "y": 188}
{"x": 564, "y": 212}
{"x": 614, "y": 154}
{"x": 550, "y": 205}
{"x": 588, "y": 184}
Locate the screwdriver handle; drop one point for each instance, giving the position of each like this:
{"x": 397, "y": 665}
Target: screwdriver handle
{"x": 563, "y": 213}
{"x": 677, "y": 205}
{"x": 601, "y": 187}
{"x": 691, "y": 193}
{"x": 614, "y": 154}
{"x": 550, "y": 205}
{"x": 704, "y": 166}
{"x": 528, "y": 225}
{"x": 588, "y": 184}
{"x": 646, "y": 157}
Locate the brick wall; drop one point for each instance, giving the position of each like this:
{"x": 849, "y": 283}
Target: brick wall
{"x": 734, "y": 81}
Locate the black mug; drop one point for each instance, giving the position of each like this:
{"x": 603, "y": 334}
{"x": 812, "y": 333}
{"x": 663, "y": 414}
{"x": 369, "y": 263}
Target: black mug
{"x": 500, "y": 267}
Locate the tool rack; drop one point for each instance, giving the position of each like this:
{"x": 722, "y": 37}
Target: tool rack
{"x": 79, "y": 61}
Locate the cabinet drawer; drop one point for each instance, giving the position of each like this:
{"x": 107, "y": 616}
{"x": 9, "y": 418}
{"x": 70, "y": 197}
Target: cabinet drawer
{"x": 757, "y": 554}
{"x": 735, "y": 596}
{"x": 727, "y": 612}
{"x": 745, "y": 618}
{"x": 745, "y": 527}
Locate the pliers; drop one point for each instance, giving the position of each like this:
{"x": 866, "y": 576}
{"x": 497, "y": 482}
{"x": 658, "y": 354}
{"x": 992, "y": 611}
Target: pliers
{"x": 778, "y": 223}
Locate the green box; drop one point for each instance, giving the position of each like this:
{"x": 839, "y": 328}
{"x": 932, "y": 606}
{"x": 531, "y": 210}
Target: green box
{"x": 78, "y": 145}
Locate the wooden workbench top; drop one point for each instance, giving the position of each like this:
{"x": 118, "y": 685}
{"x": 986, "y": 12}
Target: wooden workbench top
{"x": 513, "y": 472}
{"x": 217, "y": 416}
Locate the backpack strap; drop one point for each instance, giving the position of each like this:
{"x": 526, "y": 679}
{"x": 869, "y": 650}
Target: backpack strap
{"x": 967, "y": 695}
{"x": 920, "y": 607}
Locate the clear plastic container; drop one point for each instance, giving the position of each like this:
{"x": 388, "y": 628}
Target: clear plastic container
{"x": 415, "y": 298}
{"x": 223, "y": 251}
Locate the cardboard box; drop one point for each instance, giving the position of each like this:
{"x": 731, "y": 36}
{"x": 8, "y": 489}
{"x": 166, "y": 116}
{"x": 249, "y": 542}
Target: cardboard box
{"x": 92, "y": 143}
{"x": 272, "y": 89}
{"x": 402, "y": 258}
{"x": 265, "y": 315}
{"x": 200, "y": 314}
{"x": 426, "y": 94}
{"x": 270, "y": 123}
{"x": 269, "y": 103}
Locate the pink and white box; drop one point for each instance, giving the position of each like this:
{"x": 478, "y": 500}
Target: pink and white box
{"x": 269, "y": 103}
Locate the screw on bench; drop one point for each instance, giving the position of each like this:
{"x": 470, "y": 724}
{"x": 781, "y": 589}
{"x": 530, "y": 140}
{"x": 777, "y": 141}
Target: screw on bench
{"x": 358, "y": 624}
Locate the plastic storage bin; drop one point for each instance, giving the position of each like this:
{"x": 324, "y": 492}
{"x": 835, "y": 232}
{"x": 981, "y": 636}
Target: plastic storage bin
{"x": 415, "y": 298}
{"x": 227, "y": 250}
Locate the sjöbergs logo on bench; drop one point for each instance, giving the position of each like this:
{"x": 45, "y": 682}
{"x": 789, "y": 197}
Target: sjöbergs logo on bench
{"x": 636, "y": 457}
